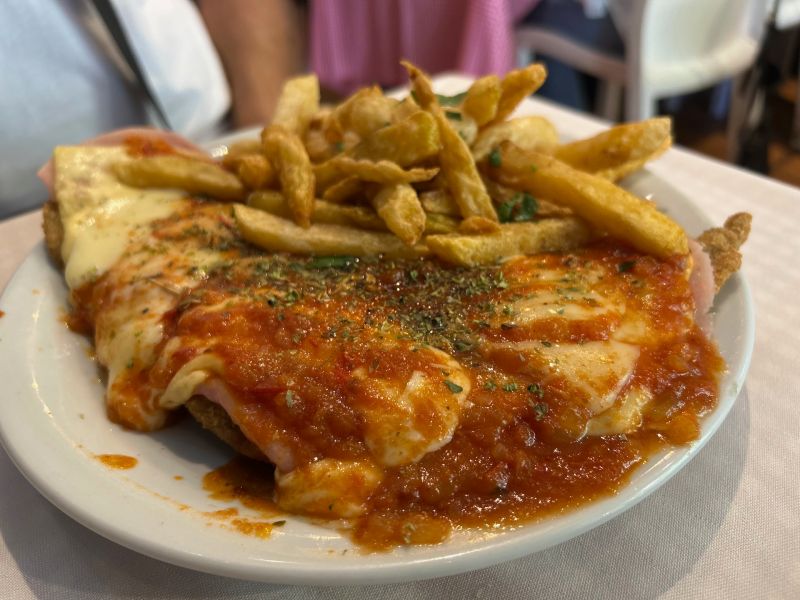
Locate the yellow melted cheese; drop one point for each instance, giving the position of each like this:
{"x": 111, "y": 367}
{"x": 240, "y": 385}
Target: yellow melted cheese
{"x": 100, "y": 215}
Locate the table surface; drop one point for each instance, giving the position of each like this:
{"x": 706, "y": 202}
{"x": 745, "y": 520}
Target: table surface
{"x": 727, "y": 526}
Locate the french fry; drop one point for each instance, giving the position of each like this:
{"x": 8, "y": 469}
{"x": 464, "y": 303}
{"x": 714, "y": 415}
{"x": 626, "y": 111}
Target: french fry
{"x": 440, "y": 223}
{"x": 317, "y": 145}
{"x": 516, "y": 85}
{"x": 297, "y": 104}
{"x": 548, "y": 235}
{"x": 410, "y": 141}
{"x": 439, "y": 202}
{"x": 242, "y": 147}
{"x": 482, "y": 99}
{"x": 600, "y": 202}
{"x": 362, "y": 217}
{"x": 399, "y": 207}
{"x": 287, "y": 153}
{"x": 618, "y": 151}
{"x": 364, "y": 112}
{"x": 324, "y": 212}
{"x": 382, "y": 171}
{"x": 456, "y": 160}
{"x": 281, "y": 235}
{"x": 528, "y": 133}
{"x": 407, "y": 142}
{"x": 343, "y": 190}
{"x": 404, "y": 109}
{"x": 254, "y": 170}
{"x": 464, "y": 125}
{"x": 473, "y": 225}
{"x": 196, "y": 176}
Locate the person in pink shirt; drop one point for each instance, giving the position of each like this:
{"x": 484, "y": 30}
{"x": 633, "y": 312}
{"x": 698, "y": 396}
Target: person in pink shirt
{"x": 360, "y": 42}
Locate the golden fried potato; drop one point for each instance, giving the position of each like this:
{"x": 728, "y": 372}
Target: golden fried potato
{"x": 287, "y": 153}
{"x": 548, "y": 235}
{"x": 254, "y": 170}
{"x": 364, "y": 112}
{"x": 440, "y": 223}
{"x": 382, "y": 171}
{"x": 297, "y": 104}
{"x": 618, "y": 151}
{"x": 407, "y": 142}
{"x": 399, "y": 207}
{"x": 465, "y": 125}
{"x": 439, "y": 202}
{"x": 456, "y": 160}
{"x": 251, "y": 146}
{"x": 601, "y": 203}
{"x": 324, "y": 212}
{"x": 516, "y": 86}
{"x": 528, "y": 133}
{"x": 344, "y": 189}
{"x": 410, "y": 141}
{"x": 281, "y": 235}
{"x": 482, "y": 99}
{"x": 363, "y": 217}
{"x": 404, "y": 109}
{"x": 317, "y": 145}
{"x": 196, "y": 176}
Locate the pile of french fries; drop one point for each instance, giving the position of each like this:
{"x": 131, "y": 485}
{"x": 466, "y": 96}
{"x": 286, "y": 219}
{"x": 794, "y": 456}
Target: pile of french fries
{"x": 452, "y": 177}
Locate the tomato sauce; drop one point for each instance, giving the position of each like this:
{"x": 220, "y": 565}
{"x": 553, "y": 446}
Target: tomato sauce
{"x": 290, "y": 331}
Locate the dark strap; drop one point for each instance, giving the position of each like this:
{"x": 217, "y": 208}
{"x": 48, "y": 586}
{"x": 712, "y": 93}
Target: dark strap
{"x": 108, "y": 14}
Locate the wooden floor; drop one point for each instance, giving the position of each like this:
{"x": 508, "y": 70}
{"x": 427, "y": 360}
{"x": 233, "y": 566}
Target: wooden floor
{"x": 695, "y": 130}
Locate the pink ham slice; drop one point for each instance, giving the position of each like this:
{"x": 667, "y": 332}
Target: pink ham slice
{"x": 116, "y": 138}
{"x": 273, "y": 447}
{"x": 701, "y": 282}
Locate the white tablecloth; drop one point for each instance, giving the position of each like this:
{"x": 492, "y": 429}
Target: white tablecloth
{"x": 727, "y": 526}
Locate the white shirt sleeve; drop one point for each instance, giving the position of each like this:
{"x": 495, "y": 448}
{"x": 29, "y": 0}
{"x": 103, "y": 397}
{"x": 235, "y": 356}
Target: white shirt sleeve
{"x": 179, "y": 61}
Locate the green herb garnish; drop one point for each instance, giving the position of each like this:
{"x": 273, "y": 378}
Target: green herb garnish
{"x": 453, "y": 115}
{"x": 510, "y": 387}
{"x": 536, "y": 390}
{"x": 495, "y": 159}
{"x": 539, "y": 410}
{"x": 626, "y": 266}
{"x": 331, "y": 262}
{"x": 453, "y": 387}
{"x": 520, "y": 207}
{"x": 449, "y": 100}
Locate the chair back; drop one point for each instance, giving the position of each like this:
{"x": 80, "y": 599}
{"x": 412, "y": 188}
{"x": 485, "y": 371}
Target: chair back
{"x": 679, "y": 46}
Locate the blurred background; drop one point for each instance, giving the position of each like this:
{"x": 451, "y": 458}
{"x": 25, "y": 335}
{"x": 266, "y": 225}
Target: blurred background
{"x": 725, "y": 70}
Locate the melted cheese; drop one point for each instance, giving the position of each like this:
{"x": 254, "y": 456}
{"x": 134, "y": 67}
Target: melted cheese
{"x": 99, "y": 214}
{"x": 392, "y": 410}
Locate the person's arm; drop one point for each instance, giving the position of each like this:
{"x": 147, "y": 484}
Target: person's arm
{"x": 261, "y": 43}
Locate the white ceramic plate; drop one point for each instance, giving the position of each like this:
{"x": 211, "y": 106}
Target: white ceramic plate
{"x": 53, "y": 422}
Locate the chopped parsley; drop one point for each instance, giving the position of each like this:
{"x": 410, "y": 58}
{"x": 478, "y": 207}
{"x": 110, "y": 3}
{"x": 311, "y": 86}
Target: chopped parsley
{"x": 289, "y": 398}
{"x": 454, "y": 100}
{"x": 536, "y": 390}
{"x": 520, "y": 207}
{"x": 626, "y": 266}
{"x": 331, "y": 262}
{"x": 453, "y": 115}
{"x": 453, "y": 387}
{"x": 495, "y": 159}
{"x": 510, "y": 387}
{"x": 490, "y": 386}
{"x": 539, "y": 410}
